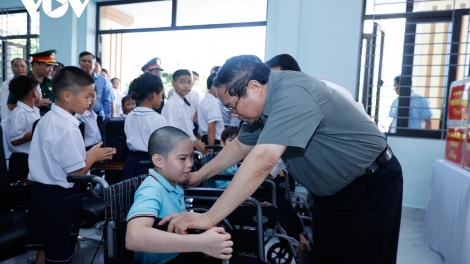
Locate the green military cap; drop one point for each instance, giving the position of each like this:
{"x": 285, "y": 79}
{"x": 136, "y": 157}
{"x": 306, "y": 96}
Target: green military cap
{"x": 152, "y": 64}
{"x": 47, "y": 57}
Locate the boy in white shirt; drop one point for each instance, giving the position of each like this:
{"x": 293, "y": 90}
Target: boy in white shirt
{"x": 57, "y": 149}
{"x": 177, "y": 111}
{"x": 92, "y": 132}
{"x": 20, "y": 124}
{"x": 211, "y": 123}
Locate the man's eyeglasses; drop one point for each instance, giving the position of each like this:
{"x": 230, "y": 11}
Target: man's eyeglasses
{"x": 233, "y": 108}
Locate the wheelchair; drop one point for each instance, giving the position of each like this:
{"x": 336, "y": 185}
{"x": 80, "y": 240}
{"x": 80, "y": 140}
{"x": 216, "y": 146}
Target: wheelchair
{"x": 119, "y": 198}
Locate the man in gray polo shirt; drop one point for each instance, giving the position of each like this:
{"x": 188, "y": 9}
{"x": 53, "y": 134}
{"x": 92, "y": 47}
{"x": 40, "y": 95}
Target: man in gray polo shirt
{"x": 327, "y": 144}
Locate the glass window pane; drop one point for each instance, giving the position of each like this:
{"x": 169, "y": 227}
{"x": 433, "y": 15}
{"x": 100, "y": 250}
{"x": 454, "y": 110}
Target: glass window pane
{"x": 13, "y": 24}
{"x": 15, "y": 48}
{"x": 463, "y": 57}
{"x": 123, "y": 54}
{"x": 204, "y": 12}
{"x": 426, "y": 5}
{"x": 35, "y": 24}
{"x": 430, "y": 66}
{"x": 385, "y": 6}
{"x": 391, "y": 66}
{"x": 137, "y": 15}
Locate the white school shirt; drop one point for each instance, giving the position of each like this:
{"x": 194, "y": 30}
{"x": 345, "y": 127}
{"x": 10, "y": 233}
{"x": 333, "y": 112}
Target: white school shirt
{"x": 139, "y": 125}
{"x": 5, "y": 93}
{"x": 117, "y": 103}
{"x": 193, "y": 98}
{"x": 20, "y": 122}
{"x": 5, "y": 113}
{"x": 178, "y": 114}
{"x": 92, "y": 132}
{"x": 57, "y": 148}
{"x": 208, "y": 111}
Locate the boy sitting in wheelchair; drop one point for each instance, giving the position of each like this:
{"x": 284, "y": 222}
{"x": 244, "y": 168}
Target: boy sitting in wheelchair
{"x": 171, "y": 152}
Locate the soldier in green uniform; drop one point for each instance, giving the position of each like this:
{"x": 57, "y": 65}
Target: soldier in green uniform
{"x": 42, "y": 66}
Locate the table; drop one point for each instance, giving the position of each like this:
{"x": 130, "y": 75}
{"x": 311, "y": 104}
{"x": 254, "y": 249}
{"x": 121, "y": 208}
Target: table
{"x": 447, "y": 218}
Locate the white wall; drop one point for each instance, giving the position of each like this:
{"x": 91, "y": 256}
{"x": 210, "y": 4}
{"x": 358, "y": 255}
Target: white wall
{"x": 417, "y": 157}
{"x": 324, "y": 36}
{"x": 68, "y": 34}
{"x": 11, "y": 4}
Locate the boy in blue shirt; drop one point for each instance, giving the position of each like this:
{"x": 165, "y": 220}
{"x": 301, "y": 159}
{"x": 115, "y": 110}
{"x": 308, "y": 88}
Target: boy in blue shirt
{"x": 159, "y": 195}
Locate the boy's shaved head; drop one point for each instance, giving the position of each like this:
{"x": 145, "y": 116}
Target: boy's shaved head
{"x": 164, "y": 140}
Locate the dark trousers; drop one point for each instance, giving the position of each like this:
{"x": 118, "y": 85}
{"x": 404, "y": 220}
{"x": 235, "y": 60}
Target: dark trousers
{"x": 53, "y": 220}
{"x": 18, "y": 167}
{"x": 361, "y": 223}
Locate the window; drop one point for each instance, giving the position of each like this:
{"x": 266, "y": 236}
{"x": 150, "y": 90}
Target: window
{"x": 425, "y": 45}
{"x": 192, "y": 34}
{"x": 19, "y": 36}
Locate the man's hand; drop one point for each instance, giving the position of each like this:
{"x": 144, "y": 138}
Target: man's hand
{"x": 216, "y": 243}
{"x": 181, "y": 222}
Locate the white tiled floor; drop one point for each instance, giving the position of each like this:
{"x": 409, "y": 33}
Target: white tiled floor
{"x": 411, "y": 247}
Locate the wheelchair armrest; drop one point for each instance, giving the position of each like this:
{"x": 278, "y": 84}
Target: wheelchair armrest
{"x": 78, "y": 178}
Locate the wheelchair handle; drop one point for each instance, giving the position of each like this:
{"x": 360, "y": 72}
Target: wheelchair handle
{"x": 78, "y": 178}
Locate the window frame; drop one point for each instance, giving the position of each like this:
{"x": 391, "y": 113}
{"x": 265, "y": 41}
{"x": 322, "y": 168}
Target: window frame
{"x": 173, "y": 26}
{"x": 4, "y": 39}
{"x": 412, "y": 18}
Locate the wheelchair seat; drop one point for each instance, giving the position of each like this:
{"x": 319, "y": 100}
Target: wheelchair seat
{"x": 115, "y": 137}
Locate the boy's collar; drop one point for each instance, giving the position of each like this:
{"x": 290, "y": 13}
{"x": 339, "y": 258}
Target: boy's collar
{"x": 89, "y": 112}
{"x": 64, "y": 113}
{"x": 179, "y": 99}
{"x": 25, "y": 106}
{"x": 164, "y": 182}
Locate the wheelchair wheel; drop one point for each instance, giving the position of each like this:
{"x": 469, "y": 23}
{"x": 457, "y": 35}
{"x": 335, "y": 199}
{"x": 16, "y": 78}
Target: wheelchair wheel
{"x": 279, "y": 253}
